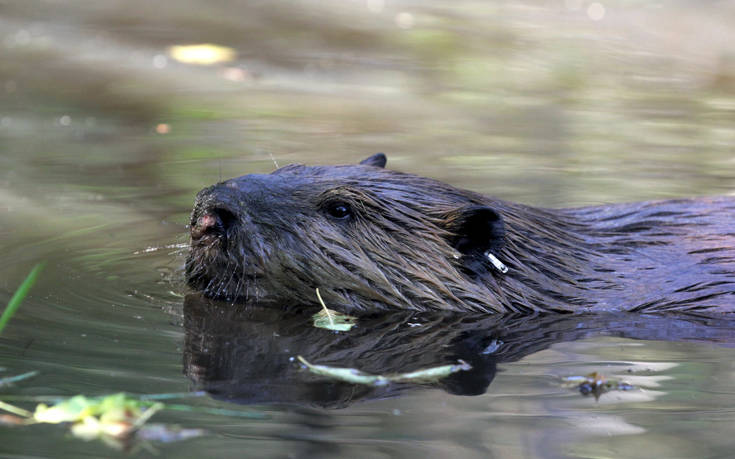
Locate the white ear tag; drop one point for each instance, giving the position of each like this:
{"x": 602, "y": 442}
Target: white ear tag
{"x": 499, "y": 265}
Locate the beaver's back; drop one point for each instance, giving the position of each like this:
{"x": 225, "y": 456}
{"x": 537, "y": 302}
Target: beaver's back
{"x": 666, "y": 255}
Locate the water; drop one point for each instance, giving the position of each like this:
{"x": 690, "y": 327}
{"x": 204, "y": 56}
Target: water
{"x": 105, "y": 139}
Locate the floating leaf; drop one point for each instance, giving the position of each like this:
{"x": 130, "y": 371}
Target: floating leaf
{"x": 332, "y": 320}
{"x": 90, "y": 428}
{"x": 115, "y": 415}
{"x": 355, "y": 376}
{"x": 115, "y": 419}
{"x": 70, "y": 410}
{"x": 203, "y": 54}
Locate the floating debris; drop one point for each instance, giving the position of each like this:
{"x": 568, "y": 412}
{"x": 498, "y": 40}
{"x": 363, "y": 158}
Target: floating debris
{"x": 332, "y": 320}
{"x": 431, "y": 374}
{"x": 350, "y": 375}
{"x": 355, "y": 376}
{"x": 116, "y": 415}
{"x": 596, "y": 384}
{"x": 118, "y": 420}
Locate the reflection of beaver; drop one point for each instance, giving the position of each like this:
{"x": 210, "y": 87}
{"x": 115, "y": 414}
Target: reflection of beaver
{"x": 246, "y": 354}
{"x": 374, "y": 239}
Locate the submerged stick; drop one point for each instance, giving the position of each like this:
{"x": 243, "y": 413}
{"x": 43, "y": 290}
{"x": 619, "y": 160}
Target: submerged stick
{"x": 15, "y": 410}
{"x": 14, "y": 379}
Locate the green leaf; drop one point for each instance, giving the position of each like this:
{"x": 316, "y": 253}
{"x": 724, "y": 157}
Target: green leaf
{"x": 332, "y": 320}
{"x": 70, "y": 410}
{"x": 115, "y": 415}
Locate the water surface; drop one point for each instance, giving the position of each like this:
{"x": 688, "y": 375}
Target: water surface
{"x": 105, "y": 138}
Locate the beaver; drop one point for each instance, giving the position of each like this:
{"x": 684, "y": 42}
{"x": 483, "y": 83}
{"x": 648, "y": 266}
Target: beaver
{"x": 372, "y": 239}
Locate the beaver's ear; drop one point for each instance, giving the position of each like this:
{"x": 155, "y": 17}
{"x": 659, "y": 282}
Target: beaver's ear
{"x": 478, "y": 233}
{"x": 377, "y": 160}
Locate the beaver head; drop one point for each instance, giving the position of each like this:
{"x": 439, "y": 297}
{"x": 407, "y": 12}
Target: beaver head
{"x": 367, "y": 237}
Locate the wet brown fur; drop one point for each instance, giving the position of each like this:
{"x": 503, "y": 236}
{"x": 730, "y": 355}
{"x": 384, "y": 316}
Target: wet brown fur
{"x": 396, "y": 251}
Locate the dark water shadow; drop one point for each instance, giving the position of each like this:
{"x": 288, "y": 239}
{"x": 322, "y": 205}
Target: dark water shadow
{"x": 246, "y": 354}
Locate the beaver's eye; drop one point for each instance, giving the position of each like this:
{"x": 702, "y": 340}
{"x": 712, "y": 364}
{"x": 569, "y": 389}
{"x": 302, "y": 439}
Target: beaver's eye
{"x": 338, "y": 210}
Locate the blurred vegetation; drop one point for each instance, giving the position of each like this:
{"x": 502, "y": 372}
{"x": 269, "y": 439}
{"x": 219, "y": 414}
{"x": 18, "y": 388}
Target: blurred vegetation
{"x": 19, "y": 296}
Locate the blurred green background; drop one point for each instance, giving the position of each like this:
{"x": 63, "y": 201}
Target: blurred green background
{"x": 555, "y": 103}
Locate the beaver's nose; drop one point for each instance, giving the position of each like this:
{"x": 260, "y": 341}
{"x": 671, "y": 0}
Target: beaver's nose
{"x": 214, "y": 221}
